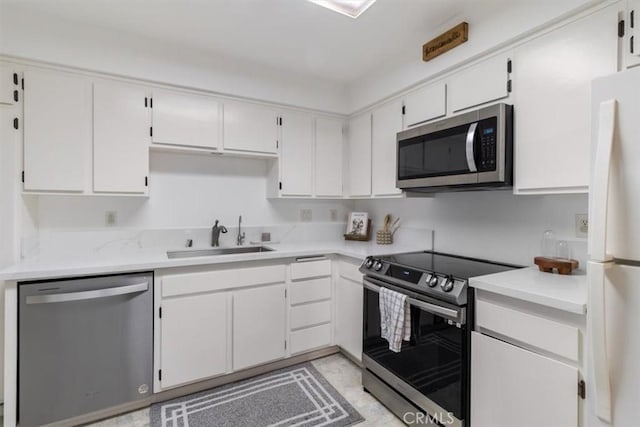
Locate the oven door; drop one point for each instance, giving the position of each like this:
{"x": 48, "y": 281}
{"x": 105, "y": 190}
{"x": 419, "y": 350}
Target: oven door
{"x": 432, "y": 369}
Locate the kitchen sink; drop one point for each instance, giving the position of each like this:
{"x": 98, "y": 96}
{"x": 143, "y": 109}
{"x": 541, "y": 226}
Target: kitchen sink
{"x": 217, "y": 251}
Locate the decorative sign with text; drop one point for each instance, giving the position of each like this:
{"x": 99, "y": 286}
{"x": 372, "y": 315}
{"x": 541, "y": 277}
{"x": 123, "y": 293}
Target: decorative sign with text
{"x": 445, "y": 42}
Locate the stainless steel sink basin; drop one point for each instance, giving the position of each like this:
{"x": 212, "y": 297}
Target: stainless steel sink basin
{"x": 217, "y": 251}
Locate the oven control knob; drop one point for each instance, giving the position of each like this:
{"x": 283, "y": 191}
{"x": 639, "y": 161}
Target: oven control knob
{"x": 447, "y": 284}
{"x": 378, "y": 265}
{"x": 432, "y": 281}
{"x": 368, "y": 262}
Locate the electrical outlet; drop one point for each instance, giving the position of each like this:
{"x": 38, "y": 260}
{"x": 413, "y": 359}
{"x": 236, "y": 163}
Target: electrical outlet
{"x": 333, "y": 214}
{"x": 582, "y": 225}
{"x": 306, "y": 215}
{"x": 111, "y": 218}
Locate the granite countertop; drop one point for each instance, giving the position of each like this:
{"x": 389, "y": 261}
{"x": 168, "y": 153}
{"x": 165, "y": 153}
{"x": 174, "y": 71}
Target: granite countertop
{"x": 61, "y": 265}
{"x": 566, "y": 293}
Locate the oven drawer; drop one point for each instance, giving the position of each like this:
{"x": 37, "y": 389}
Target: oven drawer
{"x": 310, "y": 290}
{"x": 310, "y": 314}
{"x": 545, "y": 334}
{"x": 307, "y": 268}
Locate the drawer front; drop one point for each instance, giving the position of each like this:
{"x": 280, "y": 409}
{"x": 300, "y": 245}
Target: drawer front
{"x": 310, "y": 338}
{"x": 350, "y": 271}
{"x": 310, "y": 314}
{"x": 308, "y": 269}
{"x": 310, "y": 290}
{"x": 183, "y": 284}
{"x": 555, "y": 337}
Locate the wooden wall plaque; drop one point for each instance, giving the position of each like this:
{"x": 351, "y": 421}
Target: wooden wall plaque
{"x": 445, "y": 42}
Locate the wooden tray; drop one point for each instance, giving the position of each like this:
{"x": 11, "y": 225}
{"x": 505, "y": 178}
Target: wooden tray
{"x": 359, "y": 237}
{"x": 547, "y": 265}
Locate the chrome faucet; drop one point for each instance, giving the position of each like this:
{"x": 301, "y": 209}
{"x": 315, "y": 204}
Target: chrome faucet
{"x": 241, "y": 234}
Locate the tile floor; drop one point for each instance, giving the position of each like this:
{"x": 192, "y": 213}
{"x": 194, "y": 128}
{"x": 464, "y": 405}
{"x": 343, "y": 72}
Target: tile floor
{"x": 343, "y": 374}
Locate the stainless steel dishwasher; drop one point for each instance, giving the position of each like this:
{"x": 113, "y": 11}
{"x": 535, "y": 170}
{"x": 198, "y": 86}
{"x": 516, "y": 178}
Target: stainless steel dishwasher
{"x": 83, "y": 345}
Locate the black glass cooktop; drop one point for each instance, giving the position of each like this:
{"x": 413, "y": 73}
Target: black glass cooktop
{"x": 446, "y": 264}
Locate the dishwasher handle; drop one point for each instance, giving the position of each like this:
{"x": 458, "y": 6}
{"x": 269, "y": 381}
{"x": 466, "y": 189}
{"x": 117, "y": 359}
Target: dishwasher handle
{"x": 85, "y": 295}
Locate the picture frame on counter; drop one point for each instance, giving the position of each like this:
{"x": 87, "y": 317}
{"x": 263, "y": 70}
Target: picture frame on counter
{"x": 358, "y": 226}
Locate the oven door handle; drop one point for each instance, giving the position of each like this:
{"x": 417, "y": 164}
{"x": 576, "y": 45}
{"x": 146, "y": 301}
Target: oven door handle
{"x": 471, "y": 136}
{"x": 457, "y": 316}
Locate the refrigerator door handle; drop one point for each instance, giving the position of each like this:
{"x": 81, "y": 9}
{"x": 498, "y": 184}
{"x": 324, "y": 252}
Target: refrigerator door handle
{"x": 600, "y": 184}
{"x": 596, "y": 319}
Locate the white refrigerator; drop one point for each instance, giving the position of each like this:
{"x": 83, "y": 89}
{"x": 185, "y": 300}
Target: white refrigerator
{"x": 613, "y": 270}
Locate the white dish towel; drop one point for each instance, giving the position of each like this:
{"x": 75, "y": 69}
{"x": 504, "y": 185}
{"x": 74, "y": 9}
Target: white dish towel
{"x": 395, "y": 318}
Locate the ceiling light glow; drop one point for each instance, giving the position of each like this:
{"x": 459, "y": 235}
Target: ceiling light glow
{"x": 350, "y": 8}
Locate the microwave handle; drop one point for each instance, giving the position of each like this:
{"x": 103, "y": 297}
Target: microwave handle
{"x": 471, "y": 134}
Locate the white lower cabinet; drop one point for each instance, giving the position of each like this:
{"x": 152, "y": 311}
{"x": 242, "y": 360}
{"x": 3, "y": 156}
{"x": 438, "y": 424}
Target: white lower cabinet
{"x": 259, "y": 322}
{"x": 349, "y": 300}
{"x": 194, "y": 338}
{"x": 511, "y": 386}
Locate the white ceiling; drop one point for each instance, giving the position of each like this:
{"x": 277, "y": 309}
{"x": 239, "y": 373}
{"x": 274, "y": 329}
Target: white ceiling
{"x": 293, "y": 35}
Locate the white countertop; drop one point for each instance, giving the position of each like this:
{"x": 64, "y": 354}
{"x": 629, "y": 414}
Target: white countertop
{"x": 52, "y": 266}
{"x": 567, "y": 293}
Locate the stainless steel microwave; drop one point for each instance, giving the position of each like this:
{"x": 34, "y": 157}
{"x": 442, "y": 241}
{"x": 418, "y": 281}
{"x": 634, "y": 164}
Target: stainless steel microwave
{"x": 466, "y": 152}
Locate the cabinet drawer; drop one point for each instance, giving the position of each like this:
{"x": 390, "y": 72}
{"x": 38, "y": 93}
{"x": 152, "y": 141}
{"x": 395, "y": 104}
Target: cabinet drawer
{"x": 557, "y": 338}
{"x": 310, "y": 290}
{"x": 310, "y": 314}
{"x": 182, "y": 284}
{"x": 310, "y": 338}
{"x": 350, "y": 271}
{"x": 308, "y": 269}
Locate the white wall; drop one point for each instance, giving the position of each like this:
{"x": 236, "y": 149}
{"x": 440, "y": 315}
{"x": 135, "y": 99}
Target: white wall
{"x": 490, "y": 25}
{"x": 187, "y": 191}
{"x": 492, "y": 225}
{"x": 28, "y": 34}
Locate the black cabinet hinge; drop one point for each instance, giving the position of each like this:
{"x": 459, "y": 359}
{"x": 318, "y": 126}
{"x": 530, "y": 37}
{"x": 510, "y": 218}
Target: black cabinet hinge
{"x": 159, "y": 374}
{"x": 16, "y": 123}
{"x": 23, "y": 176}
{"x": 15, "y": 95}
{"x": 22, "y": 83}
{"x": 280, "y": 185}
{"x": 509, "y": 66}
{"x": 145, "y": 102}
{"x": 509, "y": 86}
{"x": 404, "y": 110}
{"x": 621, "y": 28}
{"x": 146, "y": 181}
{"x": 151, "y": 131}
{"x": 632, "y": 19}
{"x": 631, "y": 40}
{"x": 15, "y": 79}
{"x": 582, "y": 389}
{"x": 160, "y": 312}
{"x": 151, "y": 102}
{"x": 285, "y": 344}
{"x": 280, "y": 121}
{"x": 277, "y": 144}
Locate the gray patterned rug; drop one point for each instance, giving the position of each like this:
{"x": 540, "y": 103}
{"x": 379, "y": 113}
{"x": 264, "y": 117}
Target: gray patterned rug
{"x": 294, "y": 396}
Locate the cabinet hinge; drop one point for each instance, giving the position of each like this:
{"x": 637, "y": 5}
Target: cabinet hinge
{"x": 509, "y": 86}
{"x": 151, "y": 131}
{"x": 159, "y": 374}
{"x": 145, "y": 102}
{"x": 16, "y": 123}
{"x": 15, "y": 79}
{"x": 160, "y": 312}
{"x": 280, "y": 185}
{"x": 150, "y": 102}
{"x": 285, "y": 344}
{"x": 23, "y": 176}
{"x": 632, "y": 20}
{"x": 404, "y": 110}
{"x": 280, "y": 121}
{"x": 285, "y": 293}
{"x": 621, "y": 28}
{"x": 15, "y": 95}
{"x": 631, "y": 44}
{"x": 22, "y": 84}
{"x": 146, "y": 181}
{"x": 582, "y": 389}
{"x": 509, "y": 66}
{"x": 277, "y": 144}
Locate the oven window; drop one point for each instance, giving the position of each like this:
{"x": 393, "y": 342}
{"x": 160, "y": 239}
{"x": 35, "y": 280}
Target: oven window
{"x": 436, "y": 154}
{"x": 432, "y": 362}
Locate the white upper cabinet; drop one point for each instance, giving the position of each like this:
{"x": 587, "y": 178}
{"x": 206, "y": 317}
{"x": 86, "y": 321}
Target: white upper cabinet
{"x": 552, "y": 85}
{"x": 8, "y": 85}
{"x": 121, "y": 137}
{"x": 425, "y": 104}
{"x": 386, "y": 123}
{"x": 631, "y": 43}
{"x": 481, "y": 83}
{"x": 250, "y": 127}
{"x": 359, "y": 152}
{"x": 186, "y": 119}
{"x": 296, "y": 154}
{"x": 328, "y": 159}
{"x": 57, "y": 131}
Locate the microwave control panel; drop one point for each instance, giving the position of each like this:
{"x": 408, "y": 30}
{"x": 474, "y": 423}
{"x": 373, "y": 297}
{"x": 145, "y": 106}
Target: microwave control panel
{"x": 488, "y": 145}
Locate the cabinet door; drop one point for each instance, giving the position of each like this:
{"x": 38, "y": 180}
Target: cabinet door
{"x": 511, "y": 386}
{"x": 360, "y": 156}
{"x": 296, "y": 154}
{"x": 386, "y": 123}
{"x": 194, "y": 336}
{"x": 57, "y": 131}
{"x": 250, "y": 127}
{"x": 259, "y": 322}
{"x": 8, "y": 85}
{"x": 479, "y": 84}
{"x": 186, "y": 119}
{"x": 120, "y": 139}
{"x": 552, "y": 84}
{"x": 425, "y": 104}
{"x": 632, "y": 34}
{"x": 329, "y": 149}
{"x": 348, "y": 328}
